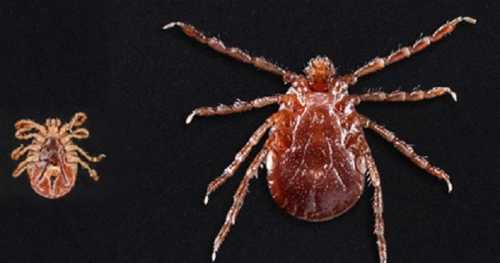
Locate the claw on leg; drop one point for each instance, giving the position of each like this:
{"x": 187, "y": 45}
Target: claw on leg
{"x": 407, "y": 151}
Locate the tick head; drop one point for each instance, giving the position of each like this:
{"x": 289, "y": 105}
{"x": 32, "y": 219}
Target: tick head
{"x": 319, "y": 71}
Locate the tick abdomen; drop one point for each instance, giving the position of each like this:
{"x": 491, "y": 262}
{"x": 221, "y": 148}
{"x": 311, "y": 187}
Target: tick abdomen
{"x": 312, "y": 171}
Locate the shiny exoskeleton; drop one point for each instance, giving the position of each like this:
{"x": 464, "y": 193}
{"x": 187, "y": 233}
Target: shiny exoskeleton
{"x": 316, "y": 155}
{"x": 52, "y": 157}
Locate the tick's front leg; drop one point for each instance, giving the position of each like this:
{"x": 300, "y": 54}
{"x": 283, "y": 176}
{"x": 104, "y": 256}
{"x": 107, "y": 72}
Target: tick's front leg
{"x": 402, "y": 96}
{"x": 407, "y": 151}
{"x": 378, "y": 63}
{"x": 238, "y": 106}
{"x": 234, "y": 52}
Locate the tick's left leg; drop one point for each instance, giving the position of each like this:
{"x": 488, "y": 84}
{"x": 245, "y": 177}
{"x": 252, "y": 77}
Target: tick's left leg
{"x": 238, "y": 199}
{"x": 83, "y": 153}
{"x": 401, "y": 96}
{"x": 238, "y": 106}
{"x": 92, "y": 172}
{"x": 407, "y": 151}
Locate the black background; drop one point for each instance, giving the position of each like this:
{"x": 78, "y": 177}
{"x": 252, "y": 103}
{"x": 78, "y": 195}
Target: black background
{"x": 137, "y": 83}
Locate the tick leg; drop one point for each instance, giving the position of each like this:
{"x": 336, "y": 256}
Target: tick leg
{"x": 238, "y": 106}
{"x": 378, "y": 207}
{"x": 402, "y": 96}
{"x": 234, "y": 52}
{"x": 92, "y": 172}
{"x": 407, "y": 151}
{"x": 80, "y": 134}
{"x": 28, "y": 125}
{"x": 238, "y": 199}
{"x": 22, "y": 150}
{"x": 78, "y": 119}
{"x": 239, "y": 159}
{"x": 24, "y": 165}
{"x": 93, "y": 159}
{"x": 378, "y": 63}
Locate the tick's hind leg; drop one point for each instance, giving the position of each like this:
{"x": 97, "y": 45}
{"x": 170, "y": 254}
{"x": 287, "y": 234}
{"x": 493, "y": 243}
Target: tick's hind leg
{"x": 407, "y": 151}
{"x": 238, "y": 199}
{"x": 239, "y": 159}
{"x": 234, "y": 52}
{"x": 378, "y": 206}
{"x": 238, "y": 106}
{"x": 92, "y": 173}
{"x": 401, "y": 96}
{"x": 378, "y": 63}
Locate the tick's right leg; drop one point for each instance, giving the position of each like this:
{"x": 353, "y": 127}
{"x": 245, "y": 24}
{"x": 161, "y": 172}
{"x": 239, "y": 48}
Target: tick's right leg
{"x": 378, "y": 63}
{"x": 238, "y": 106}
{"x": 407, "y": 151}
{"x": 238, "y": 199}
{"x": 239, "y": 159}
{"x": 234, "y": 52}
{"x": 401, "y": 96}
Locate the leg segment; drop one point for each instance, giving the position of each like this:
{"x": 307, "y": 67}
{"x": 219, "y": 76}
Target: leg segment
{"x": 234, "y": 52}
{"x": 78, "y": 119}
{"x": 238, "y": 106}
{"x": 83, "y": 153}
{"x": 238, "y": 199}
{"x": 240, "y": 158}
{"x": 402, "y": 96}
{"x": 80, "y": 134}
{"x": 22, "y": 150}
{"x": 28, "y": 125}
{"x": 378, "y": 208}
{"x": 92, "y": 172}
{"x": 405, "y": 52}
{"x": 407, "y": 151}
{"x": 24, "y": 165}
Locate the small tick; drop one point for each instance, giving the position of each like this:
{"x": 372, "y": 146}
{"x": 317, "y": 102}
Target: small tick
{"x": 52, "y": 157}
{"x": 316, "y": 154}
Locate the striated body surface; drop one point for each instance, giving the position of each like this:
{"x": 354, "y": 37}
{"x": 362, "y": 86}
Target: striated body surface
{"x": 312, "y": 168}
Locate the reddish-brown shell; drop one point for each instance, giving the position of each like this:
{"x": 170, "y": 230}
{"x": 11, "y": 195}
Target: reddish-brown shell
{"x": 315, "y": 165}
{"x": 52, "y": 177}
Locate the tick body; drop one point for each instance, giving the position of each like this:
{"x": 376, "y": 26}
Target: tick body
{"x": 52, "y": 157}
{"x": 316, "y": 155}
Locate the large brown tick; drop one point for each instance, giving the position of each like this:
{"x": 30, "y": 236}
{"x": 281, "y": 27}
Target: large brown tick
{"x": 53, "y": 159}
{"x": 316, "y": 154}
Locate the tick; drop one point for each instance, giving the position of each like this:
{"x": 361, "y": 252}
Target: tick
{"x": 52, "y": 157}
{"x": 316, "y": 154}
